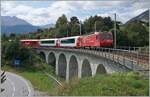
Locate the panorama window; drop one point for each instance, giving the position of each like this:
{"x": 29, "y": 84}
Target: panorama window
{"x": 48, "y": 42}
{"x": 68, "y": 41}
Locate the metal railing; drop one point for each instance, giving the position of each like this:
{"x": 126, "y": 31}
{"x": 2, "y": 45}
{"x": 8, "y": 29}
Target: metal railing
{"x": 134, "y": 57}
{"x": 144, "y": 50}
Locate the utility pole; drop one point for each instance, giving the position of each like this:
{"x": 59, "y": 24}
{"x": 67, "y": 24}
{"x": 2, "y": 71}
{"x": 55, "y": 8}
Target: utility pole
{"x": 80, "y": 27}
{"x": 67, "y": 29}
{"x": 55, "y": 34}
{"x": 115, "y": 31}
{"x": 95, "y": 26}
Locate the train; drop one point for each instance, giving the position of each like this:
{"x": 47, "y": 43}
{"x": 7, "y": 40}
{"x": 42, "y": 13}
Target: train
{"x": 95, "y": 39}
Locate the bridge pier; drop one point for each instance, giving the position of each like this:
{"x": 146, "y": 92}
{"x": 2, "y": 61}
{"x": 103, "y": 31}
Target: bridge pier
{"x": 94, "y": 68}
{"x": 56, "y": 67}
{"x": 46, "y": 57}
{"x": 67, "y": 69}
{"x": 79, "y": 68}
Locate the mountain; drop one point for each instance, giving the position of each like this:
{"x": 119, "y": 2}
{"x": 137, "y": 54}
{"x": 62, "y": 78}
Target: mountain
{"x": 16, "y": 25}
{"x": 144, "y": 17}
{"x": 47, "y": 26}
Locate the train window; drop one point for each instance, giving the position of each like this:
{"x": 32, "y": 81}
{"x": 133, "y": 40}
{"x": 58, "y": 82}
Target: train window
{"x": 109, "y": 36}
{"x": 48, "y": 41}
{"x": 68, "y": 41}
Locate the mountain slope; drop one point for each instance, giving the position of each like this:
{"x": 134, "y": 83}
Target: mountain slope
{"x": 142, "y": 17}
{"x": 16, "y": 25}
{"x": 18, "y": 29}
{"x": 13, "y": 21}
{"x": 47, "y": 26}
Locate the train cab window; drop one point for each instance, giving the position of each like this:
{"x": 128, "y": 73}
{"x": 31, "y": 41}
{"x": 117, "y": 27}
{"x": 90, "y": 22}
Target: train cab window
{"x": 107, "y": 36}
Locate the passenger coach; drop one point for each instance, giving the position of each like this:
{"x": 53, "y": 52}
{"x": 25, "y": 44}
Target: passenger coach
{"x": 70, "y": 42}
{"x": 49, "y": 42}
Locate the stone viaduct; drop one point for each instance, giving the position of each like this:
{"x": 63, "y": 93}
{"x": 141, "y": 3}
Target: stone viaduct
{"x": 70, "y": 63}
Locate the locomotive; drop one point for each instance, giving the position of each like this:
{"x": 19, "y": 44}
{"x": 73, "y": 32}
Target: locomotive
{"x": 92, "y": 40}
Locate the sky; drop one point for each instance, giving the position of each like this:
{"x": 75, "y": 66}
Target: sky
{"x": 47, "y": 12}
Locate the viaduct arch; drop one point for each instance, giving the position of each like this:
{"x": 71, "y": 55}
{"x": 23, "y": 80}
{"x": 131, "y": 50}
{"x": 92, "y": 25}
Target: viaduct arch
{"x": 86, "y": 68}
{"x": 52, "y": 59}
{"x": 62, "y": 65}
{"x": 73, "y": 67}
{"x": 42, "y": 55}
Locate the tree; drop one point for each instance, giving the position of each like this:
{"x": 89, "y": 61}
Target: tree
{"x": 88, "y": 25}
{"x": 39, "y": 30}
{"x": 137, "y": 33}
{"x": 15, "y": 50}
{"x": 12, "y": 35}
{"x": 98, "y": 22}
{"x": 102, "y": 24}
{"x": 108, "y": 23}
{"x": 122, "y": 39}
{"x": 61, "y": 26}
{"x": 74, "y": 26}
{"x": 4, "y": 37}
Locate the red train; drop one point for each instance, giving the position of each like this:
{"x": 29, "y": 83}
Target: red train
{"x": 93, "y": 40}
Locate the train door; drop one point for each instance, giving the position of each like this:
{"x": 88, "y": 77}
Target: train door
{"x": 78, "y": 42}
{"x": 98, "y": 38}
{"x": 58, "y": 43}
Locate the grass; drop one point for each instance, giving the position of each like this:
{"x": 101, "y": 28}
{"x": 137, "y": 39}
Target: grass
{"x": 118, "y": 84}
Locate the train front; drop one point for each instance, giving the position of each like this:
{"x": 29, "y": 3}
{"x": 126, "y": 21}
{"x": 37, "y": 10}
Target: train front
{"x": 106, "y": 39}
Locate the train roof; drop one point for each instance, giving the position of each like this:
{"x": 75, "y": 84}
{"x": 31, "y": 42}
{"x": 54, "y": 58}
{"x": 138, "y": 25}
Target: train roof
{"x": 69, "y": 37}
{"x": 29, "y": 40}
{"x": 48, "y": 39}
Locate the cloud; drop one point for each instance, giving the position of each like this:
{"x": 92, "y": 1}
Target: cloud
{"x": 141, "y": 4}
{"x": 46, "y": 12}
{"x": 36, "y": 16}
